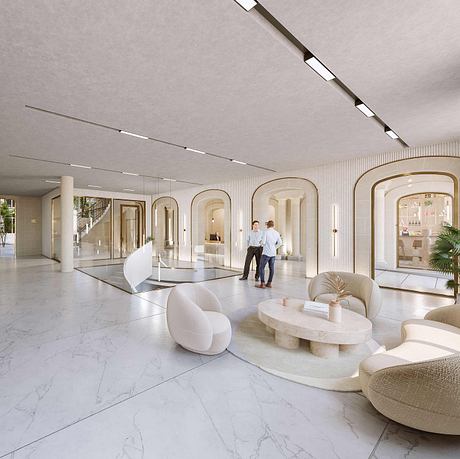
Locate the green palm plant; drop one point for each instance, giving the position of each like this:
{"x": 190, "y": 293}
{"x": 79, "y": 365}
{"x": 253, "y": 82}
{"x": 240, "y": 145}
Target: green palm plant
{"x": 445, "y": 255}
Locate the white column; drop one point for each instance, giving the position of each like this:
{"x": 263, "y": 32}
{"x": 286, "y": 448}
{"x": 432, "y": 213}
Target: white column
{"x": 295, "y": 226}
{"x": 66, "y": 224}
{"x": 379, "y": 228}
{"x": 281, "y": 223}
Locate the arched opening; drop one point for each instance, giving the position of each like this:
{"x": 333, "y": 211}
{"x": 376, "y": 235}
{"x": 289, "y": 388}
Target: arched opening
{"x": 7, "y": 227}
{"x": 400, "y": 208}
{"x": 165, "y": 227}
{"x": 292, "y": 203}
{"x": 211, "y": 223}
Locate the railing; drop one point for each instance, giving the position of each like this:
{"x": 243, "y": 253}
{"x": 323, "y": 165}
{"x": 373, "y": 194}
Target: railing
{"x": 93, "y": 215}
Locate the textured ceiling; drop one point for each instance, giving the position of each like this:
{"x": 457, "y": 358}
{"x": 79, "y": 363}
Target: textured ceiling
{"x": 206, "y": 75}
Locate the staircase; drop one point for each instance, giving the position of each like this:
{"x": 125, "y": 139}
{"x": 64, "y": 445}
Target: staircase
{"x": 91, "y": 215}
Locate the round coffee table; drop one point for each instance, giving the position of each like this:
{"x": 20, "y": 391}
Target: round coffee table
{"x": 292, "y": 323}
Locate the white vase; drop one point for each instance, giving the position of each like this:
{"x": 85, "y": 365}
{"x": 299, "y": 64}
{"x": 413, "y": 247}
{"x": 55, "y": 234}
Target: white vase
{"x": 335, "y": 312}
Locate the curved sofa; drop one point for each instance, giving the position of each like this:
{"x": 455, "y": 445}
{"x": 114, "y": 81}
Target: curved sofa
{"x": 418, "y": 382}
{"x": 366, "y": 298}
{"x": 195, "y": 319}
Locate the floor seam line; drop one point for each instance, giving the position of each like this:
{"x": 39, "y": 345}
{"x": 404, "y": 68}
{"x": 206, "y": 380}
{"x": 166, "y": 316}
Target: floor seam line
{"x": 114, "y": 405}
{"x": 371, "y": 455}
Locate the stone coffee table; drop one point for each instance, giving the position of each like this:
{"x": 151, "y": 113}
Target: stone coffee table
{"x": 292, "y": 323}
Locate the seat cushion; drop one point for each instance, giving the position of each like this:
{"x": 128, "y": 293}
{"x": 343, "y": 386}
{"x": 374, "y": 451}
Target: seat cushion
{"x": 352, "y": 303}
{"x": 222, "y": 332}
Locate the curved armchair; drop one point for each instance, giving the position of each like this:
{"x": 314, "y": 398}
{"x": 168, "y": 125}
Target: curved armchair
{"x": 195, "y": 320}
{"x": 366, "y": 298}
{"x": 423, "y": 395}
{"x": 447, "y": 314}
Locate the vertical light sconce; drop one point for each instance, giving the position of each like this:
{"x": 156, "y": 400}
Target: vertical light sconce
{"x": 334, "y": 230}
{"x": 184, "y": 235}
{"x": 156, "y": 216}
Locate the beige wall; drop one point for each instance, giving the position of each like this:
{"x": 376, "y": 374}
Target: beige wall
{"x": 28, "y": 225}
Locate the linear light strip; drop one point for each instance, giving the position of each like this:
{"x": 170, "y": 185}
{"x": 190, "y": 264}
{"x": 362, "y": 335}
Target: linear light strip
{"x": 265, "y": 19}
{"x": 96, "y": 168}
{"x": 121, "y": 131}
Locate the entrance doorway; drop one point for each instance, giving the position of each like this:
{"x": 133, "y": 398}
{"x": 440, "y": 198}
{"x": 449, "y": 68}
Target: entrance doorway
{"x": 165, "y": 228}
{"x": 129, "y": 229}
{"x": 7, "y": 227}
{"x": 410, "y": 212}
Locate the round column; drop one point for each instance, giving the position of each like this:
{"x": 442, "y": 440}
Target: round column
{"x": 281, "y": 223}
{"x": 379, "y": 228}
{"x": 295, "y": 225}
{"x": 66, "y": 224}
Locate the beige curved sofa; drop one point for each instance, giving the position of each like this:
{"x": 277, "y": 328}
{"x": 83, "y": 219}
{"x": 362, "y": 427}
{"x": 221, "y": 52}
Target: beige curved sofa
{"x": 366, "y": 298}
{"x": 418, "y": 383}
{"x": 195, "y": 319}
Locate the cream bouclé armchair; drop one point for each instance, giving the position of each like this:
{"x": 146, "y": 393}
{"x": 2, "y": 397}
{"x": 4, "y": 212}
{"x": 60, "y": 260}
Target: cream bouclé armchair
{"x": 195, "y": 319}
{"x": 366, "y": 298}
{"x": 418, "y": 382}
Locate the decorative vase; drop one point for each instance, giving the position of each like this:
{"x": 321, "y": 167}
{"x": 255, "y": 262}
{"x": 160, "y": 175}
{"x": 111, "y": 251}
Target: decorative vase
{"x": 335, "y": 312}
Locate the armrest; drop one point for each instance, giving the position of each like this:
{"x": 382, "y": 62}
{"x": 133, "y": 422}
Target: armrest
{"x": 448, "y": 315}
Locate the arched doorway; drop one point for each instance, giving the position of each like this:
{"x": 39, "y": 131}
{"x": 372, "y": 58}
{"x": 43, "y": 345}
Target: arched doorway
{"x": 211, "y": 223}
{"x": 293, "y": 205}
{"x": 395, "y": 221}
{"x": 165, "y": 227}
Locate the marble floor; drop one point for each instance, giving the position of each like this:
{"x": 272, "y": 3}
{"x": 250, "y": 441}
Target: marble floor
{"x": 89, "y": 371}
{"x": 421, "y": 281}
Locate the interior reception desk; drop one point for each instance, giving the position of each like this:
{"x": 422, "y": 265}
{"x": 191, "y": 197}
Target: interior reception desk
{"x": 211, "y": 252}
{"x": 414, "y": 251}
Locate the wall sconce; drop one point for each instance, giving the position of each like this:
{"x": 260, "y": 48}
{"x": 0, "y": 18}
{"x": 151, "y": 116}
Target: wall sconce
{"x": 184, "y": 234}
{"x": 156, "y": 217}
{"x": 334, "y": 230}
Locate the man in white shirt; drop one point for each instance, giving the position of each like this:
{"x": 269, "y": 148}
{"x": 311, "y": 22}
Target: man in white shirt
{"x": 271, "y": 241}
{"x": 254, "y": 242}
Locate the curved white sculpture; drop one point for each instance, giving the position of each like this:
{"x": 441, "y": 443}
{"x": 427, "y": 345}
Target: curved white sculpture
{"x": 195, "y": 320}
{"x": 138, "y": 266}
{"x": 366, "y": 298}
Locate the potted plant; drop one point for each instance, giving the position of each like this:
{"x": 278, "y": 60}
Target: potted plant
{"x": 337, "y": 285}
{"x": 445, "y": 256}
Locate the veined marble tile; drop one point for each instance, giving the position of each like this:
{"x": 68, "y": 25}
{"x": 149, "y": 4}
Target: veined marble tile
{"x": 46, "y": 387}
{"x": 226, "y": 408}
{"x": 400, "y": 442}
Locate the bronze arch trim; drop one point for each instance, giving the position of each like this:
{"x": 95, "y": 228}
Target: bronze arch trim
{"x": 376, "y": 167}
{"x": 191, "y": 221}
{"x": 317, "y": 208}
{"x": 154, "y": 203}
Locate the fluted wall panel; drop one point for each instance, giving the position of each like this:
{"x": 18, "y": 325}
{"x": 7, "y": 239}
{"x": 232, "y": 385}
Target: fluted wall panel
{"x": 335, "y": 183}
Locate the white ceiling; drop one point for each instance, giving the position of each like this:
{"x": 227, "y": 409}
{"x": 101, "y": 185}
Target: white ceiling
{"x": 206, "y": 75}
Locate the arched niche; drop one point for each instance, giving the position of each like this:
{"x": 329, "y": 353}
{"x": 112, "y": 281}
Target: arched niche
{"x": 364, "y": 200}
{"x": 293, "y": 202}
{"x": 211, "y": 227}
{"x": 165, "y": 227}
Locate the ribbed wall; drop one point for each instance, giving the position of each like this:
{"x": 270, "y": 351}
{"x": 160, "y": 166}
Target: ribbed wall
{"x": 335, "y": 183}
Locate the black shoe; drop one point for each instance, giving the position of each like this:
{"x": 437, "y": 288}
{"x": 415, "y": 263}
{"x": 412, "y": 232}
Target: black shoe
{"x": 256, "y": 278}
{"x": 243, "y": 278}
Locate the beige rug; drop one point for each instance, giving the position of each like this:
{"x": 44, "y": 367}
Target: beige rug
{"x": 254, "y": 344}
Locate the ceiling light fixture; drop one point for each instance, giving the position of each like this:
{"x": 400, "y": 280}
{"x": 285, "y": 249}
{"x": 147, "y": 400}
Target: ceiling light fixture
{"x": 391, "y": 133}
{"x": 246, "y": 4}
{"x": 80, "y": 165}
{"x": 238, "y": 162}
{"x": 318, "y": 67}
{"x": 94, "y": 186}
{"x": 134, "y": 135}
{"x": 127, "y": 189}
{"x": 168, "y": 179}
{"x": 130, "y": 173}
{"x": 363, "y": 108}
{"x": 52, "y": 181}
{"x": 196, "y": 151}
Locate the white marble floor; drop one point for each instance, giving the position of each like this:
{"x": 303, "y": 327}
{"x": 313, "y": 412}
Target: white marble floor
{"x": 88, "y": 371}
